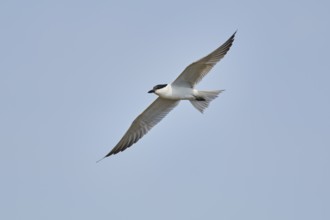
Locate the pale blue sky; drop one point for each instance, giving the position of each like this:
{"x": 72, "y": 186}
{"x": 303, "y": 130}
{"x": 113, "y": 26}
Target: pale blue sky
{"x": 75, "y": 74}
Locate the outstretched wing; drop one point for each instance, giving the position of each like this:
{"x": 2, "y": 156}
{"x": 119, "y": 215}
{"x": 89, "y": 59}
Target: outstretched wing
{"x": 144, "y": 122}
{"x": 197, "y": 70}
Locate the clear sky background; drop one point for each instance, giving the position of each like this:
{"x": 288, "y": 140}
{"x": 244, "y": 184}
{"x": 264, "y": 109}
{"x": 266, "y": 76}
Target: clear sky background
{"x": 75, "y": 74}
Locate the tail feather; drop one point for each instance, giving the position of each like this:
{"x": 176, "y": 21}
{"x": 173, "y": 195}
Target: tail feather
{"x": 204, "y": 98}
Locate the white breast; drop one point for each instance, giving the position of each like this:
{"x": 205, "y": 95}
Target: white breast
{"x": 176, "y": 93}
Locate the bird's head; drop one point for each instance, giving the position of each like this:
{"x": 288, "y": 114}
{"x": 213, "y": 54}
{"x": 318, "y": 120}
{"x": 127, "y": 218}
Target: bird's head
{"x": 156, "y": 87}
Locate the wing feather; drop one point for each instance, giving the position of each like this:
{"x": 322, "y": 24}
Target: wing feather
{"x": 195, "y": 72}
{"x": 144, "y": 122}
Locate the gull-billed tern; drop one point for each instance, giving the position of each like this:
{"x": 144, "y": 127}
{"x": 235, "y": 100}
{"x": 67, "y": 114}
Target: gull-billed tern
{"x": 169, "y": 96}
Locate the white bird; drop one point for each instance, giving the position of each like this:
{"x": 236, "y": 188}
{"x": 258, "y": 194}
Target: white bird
{"x": 169, "y": 96}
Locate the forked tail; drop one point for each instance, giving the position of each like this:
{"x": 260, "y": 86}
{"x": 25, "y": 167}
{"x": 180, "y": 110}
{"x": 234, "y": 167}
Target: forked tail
{"x": 204, "y": 98}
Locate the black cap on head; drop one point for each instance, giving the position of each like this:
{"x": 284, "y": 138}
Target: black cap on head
{"x": 157, "y": 87}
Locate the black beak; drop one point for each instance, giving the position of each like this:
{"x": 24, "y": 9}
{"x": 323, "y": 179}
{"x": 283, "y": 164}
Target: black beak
{"x": 151, "y": 91}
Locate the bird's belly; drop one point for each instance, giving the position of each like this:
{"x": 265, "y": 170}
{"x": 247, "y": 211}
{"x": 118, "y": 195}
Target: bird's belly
{"x": 179, "y": 94}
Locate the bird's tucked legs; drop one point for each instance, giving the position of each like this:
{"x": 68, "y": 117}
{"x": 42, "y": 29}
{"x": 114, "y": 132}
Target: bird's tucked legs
{"x": 199, "y": 98}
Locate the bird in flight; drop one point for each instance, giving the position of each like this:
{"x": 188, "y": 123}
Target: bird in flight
{"x": 169, "y": 96}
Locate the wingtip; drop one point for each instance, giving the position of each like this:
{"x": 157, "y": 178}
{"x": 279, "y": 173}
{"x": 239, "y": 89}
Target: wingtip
{"x": 100, "y": 159}
{"x": 233, "y": 36}
{"x": 109, "y": 154}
